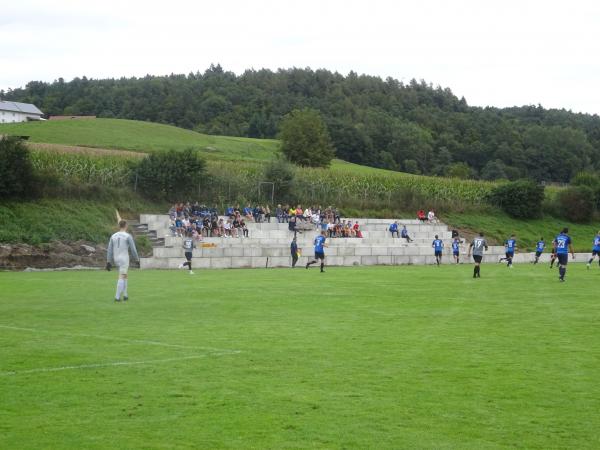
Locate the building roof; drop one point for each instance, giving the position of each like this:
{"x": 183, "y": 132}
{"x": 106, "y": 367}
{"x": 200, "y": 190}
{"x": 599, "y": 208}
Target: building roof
{"x": 26, "y": 108}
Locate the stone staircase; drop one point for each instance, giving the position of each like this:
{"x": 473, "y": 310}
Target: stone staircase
{"x": 268, "y": 245}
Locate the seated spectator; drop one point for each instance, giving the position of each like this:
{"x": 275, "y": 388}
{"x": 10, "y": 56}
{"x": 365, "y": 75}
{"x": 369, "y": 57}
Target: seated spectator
{"x": 279, "y": 214}
{"x": 393, "y": 228}
{"x": 421, "y": 215}
{"x": 220, "y": 228}
{"x": 248, "y": 212}
{"x": 405, "y": 235}
{"x": 243, "y": 228}
{"x": 431, "y": 217}
{"x": 291, "y": 212}
{"x": 235, "y": 227}
{"x": 178, "y": 227}
{"x": 356, "y": 230}
{"x": 227, "y": 228}
{"x": 299, "y": 213}
{"x": 267, "y": 212}
{"x": 229, "y": 211}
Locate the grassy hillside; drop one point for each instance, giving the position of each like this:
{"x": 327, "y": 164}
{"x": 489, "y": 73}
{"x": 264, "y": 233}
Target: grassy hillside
{"x": 140, "y": 136}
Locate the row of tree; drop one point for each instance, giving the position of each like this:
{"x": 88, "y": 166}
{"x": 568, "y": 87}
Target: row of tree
{"x": 412, "y": 127}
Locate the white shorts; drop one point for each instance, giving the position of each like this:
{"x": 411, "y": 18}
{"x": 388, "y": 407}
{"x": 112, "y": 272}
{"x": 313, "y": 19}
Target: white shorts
{"x": 123, "y": 267}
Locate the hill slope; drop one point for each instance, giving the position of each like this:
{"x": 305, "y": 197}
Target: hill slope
{"x": 140, "y": 136}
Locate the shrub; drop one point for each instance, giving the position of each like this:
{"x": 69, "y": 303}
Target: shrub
{"x": 282, "y": 173}
{"x": 170, "y": 174}
{"x": 16, "y": 171}
{"x": 577, "y": 203}
{"x": 520, "y": 199}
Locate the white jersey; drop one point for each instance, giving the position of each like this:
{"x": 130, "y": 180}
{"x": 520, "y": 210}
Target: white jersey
{"x": 118, "y": 249}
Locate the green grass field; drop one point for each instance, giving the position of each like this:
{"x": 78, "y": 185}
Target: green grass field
{"x": 141, "y": 136}
{"x": 379, "y": 357}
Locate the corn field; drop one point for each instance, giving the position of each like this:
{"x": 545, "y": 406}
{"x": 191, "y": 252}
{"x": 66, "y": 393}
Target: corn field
{"x": 84, "y": 168}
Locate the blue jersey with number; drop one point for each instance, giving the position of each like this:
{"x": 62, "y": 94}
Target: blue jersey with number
{"x": 455, "y": 246}
{"x": 319, "y": 243}
{"x": 562, "y": 242}
{"x": 438, "y": 245}
{"x": 597, "y": 244}
{"x": 510, "y": 245}
{"x": 540, "y": 246}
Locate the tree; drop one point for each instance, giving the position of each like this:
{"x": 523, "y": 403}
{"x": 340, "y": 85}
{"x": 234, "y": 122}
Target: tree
{"x": 459, "y": 170}
{"x": 494, "y": 170}
{"x": 16, "y": 170}
{"x": 305, "y": 140}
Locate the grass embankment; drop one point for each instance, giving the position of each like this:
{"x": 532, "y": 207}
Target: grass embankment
{"x": 498, "y": 226}
{"x": 431, "y": 358}
{"x": 58, "y": 219}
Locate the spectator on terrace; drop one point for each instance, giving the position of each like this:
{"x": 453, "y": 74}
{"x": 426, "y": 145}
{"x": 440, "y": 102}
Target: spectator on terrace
{"x": 267, "y": 213}
{"x": 229, "y": 211}
{"x": 393, "y": 228}
{"x": 405, "y": 235}
{"x": 279, "y": 214}
{"x": 220, "y": 228}
{"x": 236, "y": 209}
{"x": 243, "y": 228}
{"x": 178, "y": 226}
{"x": 421, "y": 215}
{"x": 227, "y": 228}
{"x": 299, "y": 213}
{"x": 206, "y": 226}
{"x": 356, "y": 230}
{"x": 235, "y": 228}
{"x": 248, "y": 212}
{"x": 431, "y": 217}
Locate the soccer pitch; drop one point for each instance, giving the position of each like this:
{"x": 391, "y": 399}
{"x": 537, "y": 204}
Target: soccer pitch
{"x": 365, "y": 357}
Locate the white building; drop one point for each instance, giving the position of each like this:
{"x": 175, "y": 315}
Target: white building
{"x": 11, "y": 112}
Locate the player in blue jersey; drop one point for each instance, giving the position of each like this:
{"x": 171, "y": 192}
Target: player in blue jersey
{"x": 510, "y": 245}
{"x": 562, "y": 246}
{"x": 456, "y": 250}
{"x": 320, "y": 245}
{"x": 438, "y": 248}
{"x": 539, "y": 249}
{"x": 595, "y": 250}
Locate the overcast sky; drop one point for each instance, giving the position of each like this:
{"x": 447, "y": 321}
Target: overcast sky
{"x": 499, "y": 53}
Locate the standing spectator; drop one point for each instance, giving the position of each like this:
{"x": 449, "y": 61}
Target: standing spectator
{"x": 279, "y": 214}
{"x": 294, "y": 252}
{"x": 267, "y": 212}
{"x": 244, "y": 228}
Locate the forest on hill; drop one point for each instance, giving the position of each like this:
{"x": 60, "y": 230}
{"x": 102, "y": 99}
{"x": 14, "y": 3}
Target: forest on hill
{"x": 413, "y": 127}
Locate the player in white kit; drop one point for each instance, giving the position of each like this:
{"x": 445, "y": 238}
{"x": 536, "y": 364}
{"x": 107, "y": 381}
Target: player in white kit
{"x": 118, "y": 255}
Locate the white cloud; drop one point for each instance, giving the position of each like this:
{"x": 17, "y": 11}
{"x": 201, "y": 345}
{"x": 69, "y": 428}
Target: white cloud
{"x": 501, "y": 53}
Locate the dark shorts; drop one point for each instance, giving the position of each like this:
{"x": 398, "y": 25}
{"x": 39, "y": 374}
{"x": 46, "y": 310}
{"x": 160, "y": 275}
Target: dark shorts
{"x": 456, "y": 253}
{"x": 188, "y": 256}
{"x": 319, "y": 255}
{"x": 563, "y": 258}
{"x": 437, "y": 253}
{"x": 538, "y": 254}
{"x": 595, "y": 252}
{"x": 509, "y": 254}
{"x": 477, "y": 258}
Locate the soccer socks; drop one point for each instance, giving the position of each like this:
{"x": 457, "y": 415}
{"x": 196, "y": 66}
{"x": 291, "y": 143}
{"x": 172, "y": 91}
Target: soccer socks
{"x": 120, "y": 288}
{"x": 125, "y": 288}
{"x": 322, "y": 266}
{"x": 562, "y": 272}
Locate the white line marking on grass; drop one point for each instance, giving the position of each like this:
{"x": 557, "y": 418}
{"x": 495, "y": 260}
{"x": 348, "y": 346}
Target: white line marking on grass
{"x": 111, "y": 364}
{"x": 118, "y": 339}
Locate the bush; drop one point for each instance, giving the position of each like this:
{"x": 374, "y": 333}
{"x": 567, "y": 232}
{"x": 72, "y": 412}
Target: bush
{"x": 519, "y": 199}
{"x": 282, "y": 173}
{"x": 16, "y": 171}
{"x": 577, "y": 203}
{"x": 169, "y": 175}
